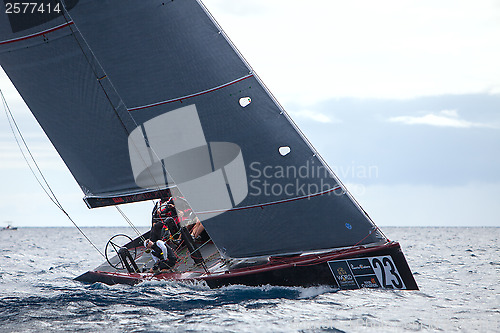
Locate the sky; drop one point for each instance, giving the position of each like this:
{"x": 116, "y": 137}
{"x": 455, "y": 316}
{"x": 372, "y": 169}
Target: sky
{"x": 401, "y": 98}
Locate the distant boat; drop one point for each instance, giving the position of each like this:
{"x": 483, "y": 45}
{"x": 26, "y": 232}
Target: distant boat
{"x": 147, "y": 100}
{"x": 8, "y": 227}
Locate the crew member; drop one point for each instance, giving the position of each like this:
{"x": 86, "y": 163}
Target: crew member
{"x": 162, "y": 254}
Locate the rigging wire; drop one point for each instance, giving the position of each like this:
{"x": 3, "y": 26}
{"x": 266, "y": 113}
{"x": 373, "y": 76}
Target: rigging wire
{"x": 46, "y": 188}
{"x": 130, "y": 223}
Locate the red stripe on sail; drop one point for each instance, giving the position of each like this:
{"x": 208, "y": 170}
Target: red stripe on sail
{"x": 271, "y": 203}
{"x": 190, "y": 96}
{"x": 41, "y": 33}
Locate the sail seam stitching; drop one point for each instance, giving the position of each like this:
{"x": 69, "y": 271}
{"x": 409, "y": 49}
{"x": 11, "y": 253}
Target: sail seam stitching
{"x": 41, "y": 33}
{"x": 191, "y": 95}
{"x": 272, "y": 203}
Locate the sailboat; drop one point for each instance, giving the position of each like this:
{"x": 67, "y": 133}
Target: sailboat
{"x": 8, "y": 227}
{"x": 150, "y": 100}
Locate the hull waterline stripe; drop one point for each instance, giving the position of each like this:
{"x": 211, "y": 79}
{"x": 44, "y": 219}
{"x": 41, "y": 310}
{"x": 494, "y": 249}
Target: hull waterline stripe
{"x": 271, "y": 203}
{"x": 41, "y": 33}
{"x": 191, "y": 95}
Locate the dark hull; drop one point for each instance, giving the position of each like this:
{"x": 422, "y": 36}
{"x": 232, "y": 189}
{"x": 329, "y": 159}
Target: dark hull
{"x": 304, "y": 271}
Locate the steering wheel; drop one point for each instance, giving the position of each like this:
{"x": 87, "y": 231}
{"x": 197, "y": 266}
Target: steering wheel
{"x": 112, "y": 249}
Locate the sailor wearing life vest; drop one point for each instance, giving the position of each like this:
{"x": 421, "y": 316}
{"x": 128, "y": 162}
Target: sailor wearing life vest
{"x": 162, "y": 254}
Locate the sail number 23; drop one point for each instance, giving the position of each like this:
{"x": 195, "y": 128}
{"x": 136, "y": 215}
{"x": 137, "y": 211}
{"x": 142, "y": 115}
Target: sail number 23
{"x": 31, "y": 7}
{"x": 387, "y": 273}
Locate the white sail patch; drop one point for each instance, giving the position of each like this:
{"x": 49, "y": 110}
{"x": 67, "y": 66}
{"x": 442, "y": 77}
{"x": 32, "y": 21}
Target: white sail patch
{"x": 245, "y": 101}
{"x": 284, "y": 150}
{"x": 210, "y": 176}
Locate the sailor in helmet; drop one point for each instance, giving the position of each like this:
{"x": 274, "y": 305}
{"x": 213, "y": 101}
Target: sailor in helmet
{"x": 163, "y": 255}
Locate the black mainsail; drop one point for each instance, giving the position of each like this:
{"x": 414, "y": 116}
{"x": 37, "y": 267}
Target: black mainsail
{"x": 141, "y": 96}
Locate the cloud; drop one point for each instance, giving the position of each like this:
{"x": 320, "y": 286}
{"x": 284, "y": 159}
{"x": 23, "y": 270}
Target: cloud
{"x": 444, "y": 118}
{"x": 313, "y": 115}
{"x": 366, "y": 49}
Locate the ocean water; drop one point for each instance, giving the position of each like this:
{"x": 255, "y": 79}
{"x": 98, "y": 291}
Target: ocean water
{"x": 457, "y": 269}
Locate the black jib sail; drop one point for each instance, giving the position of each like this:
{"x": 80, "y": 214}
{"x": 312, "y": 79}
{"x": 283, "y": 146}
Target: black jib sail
{"x": 141, "y": 96}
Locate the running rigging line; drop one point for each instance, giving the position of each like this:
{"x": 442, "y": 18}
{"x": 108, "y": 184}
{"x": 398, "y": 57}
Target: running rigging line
{"x": 130, "y": 223}
{"x": 46, "y": 188}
